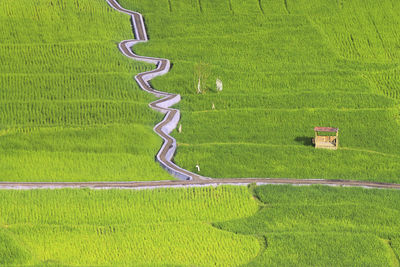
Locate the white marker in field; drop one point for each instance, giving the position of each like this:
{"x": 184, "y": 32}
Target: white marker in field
{"x": 218, "y": 83}
{"x": 180, "y": 128}
{"x": 199, "y": 87}
{"x": 198, "y": 167}
{"x": 213, "y": 106}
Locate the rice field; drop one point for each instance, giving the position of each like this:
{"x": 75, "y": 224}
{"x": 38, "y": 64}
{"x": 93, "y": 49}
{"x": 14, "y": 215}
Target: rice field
{"x": 162, "y": 227}
{"x": 323, "y": 226}
{"x": 207, "y": 226}
{"x": 70, "y": 109}
{"x": 286, "y": 67}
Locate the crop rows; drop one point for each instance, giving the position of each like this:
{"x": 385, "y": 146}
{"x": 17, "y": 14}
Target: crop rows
{"x": 37, "y": 21}
{"x": 107, "y": 86}
{"x": 65, "y": 58}
{"x": 285, "y": 69}
{"x": 79, "y": 153}
{"x": 125, "y": 227}
{"x": 305, "y": 226}
{"x": 75, "y": 113}
{"x": 70, "y": 109}
{"x": 387, "y": 83}
{"x": 322, "y": 226}
{"x": 371, "y": 34}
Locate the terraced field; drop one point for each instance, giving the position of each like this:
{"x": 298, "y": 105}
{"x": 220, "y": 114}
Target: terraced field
{"x": 286, "y": 66}
{"x": 70, "y": 111}
{"x": 69, "y": 106}
{"x": 223, "y": 226}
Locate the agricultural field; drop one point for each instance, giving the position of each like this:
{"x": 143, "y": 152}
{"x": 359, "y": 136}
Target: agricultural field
{"x": 286, "y": 67}
{"x": 70, "y": 109}
{"x": 125, "y": 227}
{"x": 207, "y": 226}
{"x": 324, "y": 226}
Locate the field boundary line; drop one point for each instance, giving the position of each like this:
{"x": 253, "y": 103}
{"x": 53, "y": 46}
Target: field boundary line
{"x": 338, "y": 109}
{"x": 286, "y": 6}
{"x": 260, "y": 7}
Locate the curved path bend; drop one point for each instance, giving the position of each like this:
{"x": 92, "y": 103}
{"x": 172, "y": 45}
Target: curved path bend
{"x": 170, "y": 121}
{"x": 172, "y": 116}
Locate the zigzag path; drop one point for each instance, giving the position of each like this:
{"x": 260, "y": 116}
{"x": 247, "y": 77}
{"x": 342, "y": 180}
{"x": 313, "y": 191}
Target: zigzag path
{"x": 165, "y": 127}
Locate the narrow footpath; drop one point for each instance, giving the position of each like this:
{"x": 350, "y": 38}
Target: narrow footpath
{"x": 172, "y": 116}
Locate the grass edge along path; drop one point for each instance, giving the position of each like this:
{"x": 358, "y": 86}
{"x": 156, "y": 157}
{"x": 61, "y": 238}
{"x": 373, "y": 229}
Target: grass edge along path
{"x": 172, "y": 116}
{"x": 198, "y": 183}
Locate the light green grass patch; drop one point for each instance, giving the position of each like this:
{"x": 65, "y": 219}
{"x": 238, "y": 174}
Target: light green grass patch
{"x": 128, "y": 227}
{"x": 89, "y": 153}
{"x": 310, "y": 249}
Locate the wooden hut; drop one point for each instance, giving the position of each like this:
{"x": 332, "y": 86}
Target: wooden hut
{"x": 326, "y": 137}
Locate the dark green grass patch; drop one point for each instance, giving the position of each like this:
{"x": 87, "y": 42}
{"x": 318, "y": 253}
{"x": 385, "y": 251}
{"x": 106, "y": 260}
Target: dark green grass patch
{"x": 11, "y": 251}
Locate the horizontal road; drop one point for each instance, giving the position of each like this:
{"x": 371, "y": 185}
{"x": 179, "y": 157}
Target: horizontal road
{"x": 210, "y": 182}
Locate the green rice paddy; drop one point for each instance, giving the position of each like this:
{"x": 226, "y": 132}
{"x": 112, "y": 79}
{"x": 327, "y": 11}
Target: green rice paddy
{"x": 70, "y": 109}
{"x": 208, "y": 226}
{"x": 323, "y": 226}
{"x": 286, "y": 67}
{"x": 125, "y": 228}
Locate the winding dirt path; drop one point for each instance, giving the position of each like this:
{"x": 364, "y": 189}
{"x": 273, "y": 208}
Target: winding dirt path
{"x": 170, "y": 121}
{"x": 168, "y": 124}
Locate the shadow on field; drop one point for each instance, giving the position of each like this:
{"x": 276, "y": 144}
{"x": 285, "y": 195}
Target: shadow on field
{"x": 305, "y": 140}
